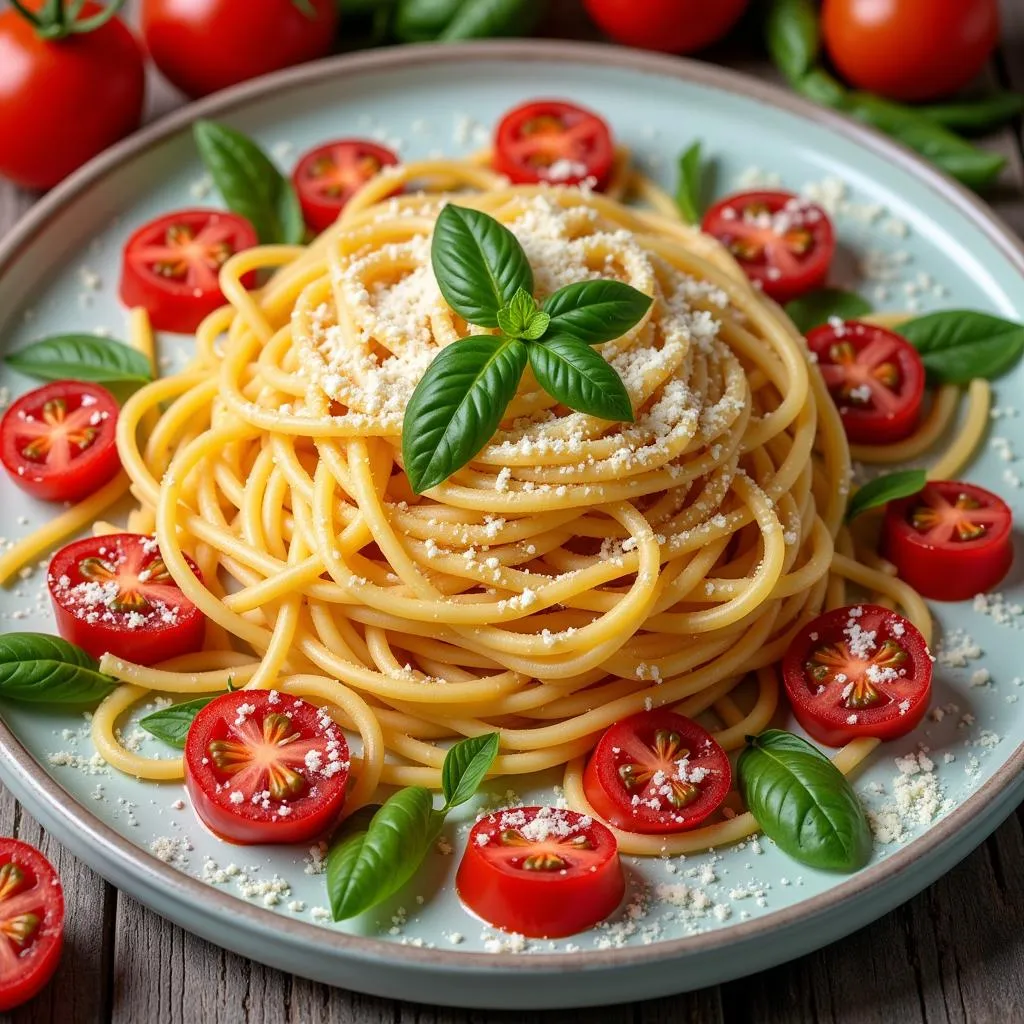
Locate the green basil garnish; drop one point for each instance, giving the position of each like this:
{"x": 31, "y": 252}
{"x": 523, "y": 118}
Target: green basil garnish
{"x": 821, "y": 87}
{"x": 791, "y": 29}
{"x": 976, "y": 117}
{"x": 250, "y": 184}
{"x": 465, "y": 767}
{"x": 884, "y": 489}
{"x": 522, "y": 319}
{"x": 818, "y": 307}
{"x": 803, "y": 802}
{"x": 420, "y": 21}
{"x": 40, "y": 669}
{"x": 690, "y": 188}
{"x": 172, "y": 724}
{"x": 595, "y": 311}
{"x": 958, "y": 345}
{"x": 571, "y": 371}
{"x": 83, "y": 357}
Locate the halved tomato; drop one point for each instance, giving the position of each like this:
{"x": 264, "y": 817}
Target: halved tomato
{"x": 541, "y": 871}
{"x": 553, "y": 141}
{"x": 327, "y": 177}
{"x": 783, "y": 242}
{"x": 951, "y": 541}
{"x": 114, "y": 594}
{"x": 57, "y": 442}
{"x": 31, "y": 922}
{"x": 170, "y": 265}
{"x": 858, "y": 671}
{"x": 656, "y": 772}
{"x": 262, "y": 767}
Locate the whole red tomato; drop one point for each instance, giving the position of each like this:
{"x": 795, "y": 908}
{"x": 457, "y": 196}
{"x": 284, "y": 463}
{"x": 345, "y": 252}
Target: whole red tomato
{"x": 674, "y": 26}
{"x": 64, "y": 99}
{"x": 910, "y": 49}
{"x": 206, "y": 45}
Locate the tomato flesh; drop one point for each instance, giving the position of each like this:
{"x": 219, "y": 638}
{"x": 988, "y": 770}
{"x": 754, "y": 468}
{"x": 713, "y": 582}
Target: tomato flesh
{"x": 555, "y": 142}
{"x": 951, "y": 541}
{"x": 541, "y": 871}
{"x": 656, "y": 772}
{"x": 58, "y": 442}
{"x": 875, "y": 377}
{"x": 114, "y": 594}
{"x": 784, "y": 243}
{"x": 31, "y": 922}
{"x": 263, "y": 767}
{"x": 671, "y": 26}
{"x": 171, "y": 265}
{"x": 858, "y": 671}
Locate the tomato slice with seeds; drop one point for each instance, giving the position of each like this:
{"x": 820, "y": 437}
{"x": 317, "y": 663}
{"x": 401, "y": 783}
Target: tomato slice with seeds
{"x": 171, "y": 265}
{"x": 656, "y": 772}
{"x": 556, "y": 142}
{"x": 263, "y": 767}
{"x": 783, "y": 242}
{"x": 951, "y": 541}
{"x": 858, "y": 671}
{"x": 875, "y": 377}
{"x": 31, "y": 922}
{"x": 541, "y": 871}
{"x": 327, "y": 177}
{"x": 58, "y": 442}
{"x": 114, "y": 594}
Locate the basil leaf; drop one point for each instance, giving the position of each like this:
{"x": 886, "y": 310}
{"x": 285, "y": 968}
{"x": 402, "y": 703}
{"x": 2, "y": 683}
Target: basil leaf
{"x": 690, "y": 191}
{"x": 479, "y": 264}
{"x": 536, "y": 326}
{"x": 595, "y": 311}
{"x": 366, "y": 867}
{"x": 884, "y": 489}
{"x": 465, "y": 766}
{"x": 421, "y": 21}
{"x": 959, "y": 345}
{"x": 249, "y": 183}
{"x": 457, "y": 406}
{"x": 791, "y": 29}
{"x": 571, "y": 371}
{"x": 343, "y": 852}
{"x": 803, "y": 802}
{"x": 818, "y": 307}
{"x": 821, "y": 87}
{"x": 976, "y": 117}
{"x": 40, "y": 669}
{"x": 172, "y": 724}
{"x": 514, "y": 318}
{"x": 83, "y": 357}
{"x": 479, "y": 19}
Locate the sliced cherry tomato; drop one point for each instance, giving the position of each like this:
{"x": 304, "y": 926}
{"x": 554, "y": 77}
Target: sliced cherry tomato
{"x": 327, "y": 177}
{"x": 541, "y": 871}
{"x": 674, "y": 26}
{"x": 57, "y": 442}
{"x": 552, "y": 141}
{"x": 782, "y": 242}
{"x": 656, "y": 772}
{"x": 859, "y": 671}
{"x": 875, "y": 377}
{"x": 263, "y": 767}
{"x": 31, "y": 922}
{"x": 950, "y": 541}
{"x": 170, "y": 265}
{"x": 114, "y": 594}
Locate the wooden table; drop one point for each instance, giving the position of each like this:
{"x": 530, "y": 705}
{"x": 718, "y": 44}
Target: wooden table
{"x": 953, "y": 954}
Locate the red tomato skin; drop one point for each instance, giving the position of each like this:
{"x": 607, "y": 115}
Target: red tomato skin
{"x": 202, "y": 46}
{"x": 954, "y": 571}
{"x": 65, "y": 101}
{"x": 910, "y": 50}
{"x": 95, "y": 467}
{"x": 671, "y": 26}
{"x": 48, "y": 943}
{"x": 540, "y": 904}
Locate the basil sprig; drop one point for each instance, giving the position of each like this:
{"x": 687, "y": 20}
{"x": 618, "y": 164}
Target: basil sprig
{"x": 485, "y": 277}
{"x": 83, "y": 357}
{"x": 690, "y": 189}
{"x": 884, "y": 489}
{"x": 803, "y": 802}
{"x": 249, "y": 183}
{"x": 420, "y": 21}
{"x": 172, "y": 724}
{"x": 976, "y": 117}
{"x": 37, "y": 668}
{"x": 818, "y": 307}
{"x": 957, "y": 346}
{"x": 378, "y": 849}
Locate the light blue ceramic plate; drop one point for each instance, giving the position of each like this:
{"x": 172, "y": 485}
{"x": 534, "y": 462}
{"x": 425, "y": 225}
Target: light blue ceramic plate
{"x": 909, "y": 237}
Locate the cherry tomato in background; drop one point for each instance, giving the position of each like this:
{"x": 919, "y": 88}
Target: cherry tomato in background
{"x": 910, "y": 49}
{"x": 672, "y": 26}
{"x": 63, "y": 100}
{"x": 205, "y": 45}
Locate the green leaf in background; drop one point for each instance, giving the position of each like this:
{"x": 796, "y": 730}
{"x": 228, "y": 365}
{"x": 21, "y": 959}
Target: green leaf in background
{"x": 41, "y": 669}
{"x": 803, "y": 802}
{"x": 976, "y": 117}
{"x": 818, "y": 307}
{"x": 690, "y": 188}
{"x": 595, "y": 311}
{"x": 791, "y": 30}
{"x": 250, "y": 184}
{"x": 84, "y": 357}
{"x": 172, "y": 724}
{"x": 884, "y": 489}
{"x": 958, "y": 345}
{"x": 821, "y": 87}
{"x": 420, "y": 21}
{"x": 465, "y": 766}
{"x": 579, "y": 377}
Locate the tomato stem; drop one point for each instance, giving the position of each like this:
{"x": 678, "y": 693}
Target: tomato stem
{"x": 306, "y": 8}
{"x": 57, "y": 20}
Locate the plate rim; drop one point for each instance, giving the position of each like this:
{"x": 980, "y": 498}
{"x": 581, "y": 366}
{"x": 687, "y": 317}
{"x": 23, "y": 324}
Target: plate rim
{"x": 202, "y": 898}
